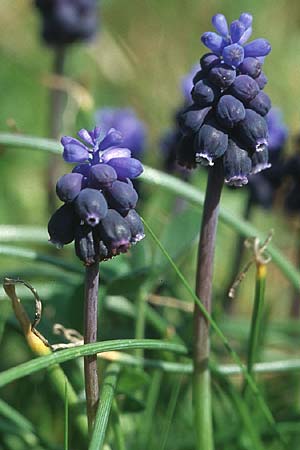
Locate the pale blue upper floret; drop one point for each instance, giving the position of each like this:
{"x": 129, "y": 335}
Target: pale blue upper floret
{"x": 229, "y": 42}
{"x": 99, "y": 149}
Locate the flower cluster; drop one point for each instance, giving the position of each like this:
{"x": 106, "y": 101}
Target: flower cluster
{"x": 227, "y": 117}
{"x": 99, "y": 198}
{"x": 265, "y": 184}
{"x": 124, "y": 120}
{"x": 68, "y": 21}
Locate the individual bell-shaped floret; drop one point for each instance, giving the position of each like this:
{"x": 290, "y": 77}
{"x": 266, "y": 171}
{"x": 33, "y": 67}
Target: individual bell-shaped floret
{"x": 261, "y": 103}
{"x": 261, "y": 80}
{"x": 192, "y": 118}
{"x": 69, "y": 186}
{"x": 258, "y": 47}
{"x": 85, "y": 247}
{"x": 136, "y": 226}
{"x": 114, "y": 230}
{"x": 74, "y": 150}
{"x": 186, "y": 153}
{"x": 200, "y": 75}
{"x": 244, "y": 88}
{"x": 91, "y": 206}
{"x": 126, "y": 167}
{"x": 62, "y": 225}
{"x": 253, "y": 131}
{"x": 213, "y": 41}
{"x": 230, "y": 111}
{"x": 233, "y": 54}
{"x": 220, "y": 23}
{"x": 122, "y": 197}
{"x": 102, "y": 176}
{"x": 260, "y": 160}
{"x": 210, "y": 143}
{"x": 222, "y": 75}
{"x": 237, "y": 165}
{"x": 208, "y": 61}
{"x": 204, "y": 93}
{"x": 250, "y": 66}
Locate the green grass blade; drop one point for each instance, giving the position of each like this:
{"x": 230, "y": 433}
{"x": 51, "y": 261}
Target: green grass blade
{"x": 170, "y": 413}
{"x": 66, "y": 430}
{"x": 16, "y": 233}
{"x": 178, "y": 187}
{"x": 61, "y": 356}
{"x": 105, "y": 403}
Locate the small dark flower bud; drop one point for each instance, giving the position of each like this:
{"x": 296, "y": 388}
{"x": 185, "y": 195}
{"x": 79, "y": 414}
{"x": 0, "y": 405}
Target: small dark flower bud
{"x": 208, "y": 61}
{"x": 186, "y": 153}
{"x": 114, "y": 230}
{"x": 126, "y": 167}
{"x": 192, "y": 118}
{"x": 237, "y": 165}
{"x": 199, "y": 76}
{"x": 62, "y": 225}
{"x": 261, "y": 103}
{"x": 204, "y": 93}
{"x": 260, "y": 160}
{"x": 253, "y": 131}
{"x": 136, "y": 226}
{"x": 244, "y": 88}
{"x": 69, "y": 186}
{"x": 102, "y": 176}
{"x": 210, "y": 143}
{"x": 261, "y": 80}
{"x": 122, "y": 197}
{"x": 229, "y": 111}
{"x": 222, "y": 75}
{"x": 85, "y": 246}
{"x": 91, "y": 206}
{"x": 250, "y": 66}
{"x": 84, "y": 169}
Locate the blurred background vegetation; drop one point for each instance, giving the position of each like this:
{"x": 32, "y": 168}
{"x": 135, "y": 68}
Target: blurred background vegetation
{"x": 141, "y": 52}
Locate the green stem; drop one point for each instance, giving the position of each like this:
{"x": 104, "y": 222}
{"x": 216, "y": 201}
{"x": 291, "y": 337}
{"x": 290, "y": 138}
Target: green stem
{"x": 204, "y": 275}
{"x": 118, "y": 433}
{"x": 170, "y": 413}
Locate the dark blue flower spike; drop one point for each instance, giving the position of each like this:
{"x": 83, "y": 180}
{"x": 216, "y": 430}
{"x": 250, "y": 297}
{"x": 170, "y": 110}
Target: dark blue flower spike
{"x": 229, "y": 108}
{"x": 97, "y": 193}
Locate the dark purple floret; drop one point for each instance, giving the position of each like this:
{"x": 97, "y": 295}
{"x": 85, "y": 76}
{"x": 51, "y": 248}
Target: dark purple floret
{"x": 188, "y": 82}
{"x": 229, "y": 111}
{"x": 204, "y": 93}
{"x": 114, "y": 230}
{"x": 91, "y": 206}
{"x": 136, "y": 226}
{"x": 210, "y": 143}
{"x": 192, "y": 118}
{"x": 62, "y": 225}
{"x": 186, "y": 153}
{"x": 199, "y": 75}
{"x": 69, "y": 186}
{"x": 237, "y": 165}
{"x": 261, "y": 103}
{"x": 74, "y": 150}
{"x": 208, "y": 61}
{"x": 68, "y": 21}
{"x": 250, "y": 66}
{"x": 85, "y": 246}
{"x": 84, "y": 169}
{"x": 260, "y": 160}
{"x": 122, "y": 197}
{"x": 102, "y": 176}
{"x": 244, "y": 88}
{"x": 126, "y": 167}
{"x": 261, "y": 80}
{"x": 253, "y": 131}
{"x": 222, "y": 75}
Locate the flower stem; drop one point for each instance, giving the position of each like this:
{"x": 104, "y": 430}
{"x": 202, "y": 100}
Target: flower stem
{"x": 57, "y": 98}
{"x": 90, "y": 335}
{"x": 204, "y": 274}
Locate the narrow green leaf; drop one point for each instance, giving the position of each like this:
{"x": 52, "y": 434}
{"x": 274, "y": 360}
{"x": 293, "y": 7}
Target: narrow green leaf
{"x": 16, "y": 233}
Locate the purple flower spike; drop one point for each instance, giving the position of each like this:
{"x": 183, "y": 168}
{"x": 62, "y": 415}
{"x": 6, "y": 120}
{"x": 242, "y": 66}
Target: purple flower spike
{"x": 246, "y": 19}
{"x": 74, "y": 150}
{"x": 220, "y": 23}
{"x": 233, "y": 55}
{"x": 113, "y": 139}
{"x": 237, "y": 29}
{"x": 213, "y": 41}
{"x": 126, "y": 167}
{"x": 258, "y": 47}
{"x": 115, "y": 153}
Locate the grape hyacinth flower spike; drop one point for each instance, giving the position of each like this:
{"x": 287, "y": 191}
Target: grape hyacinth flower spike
{"x": 99, "y": 215}
{"x": 226, "y": 130}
